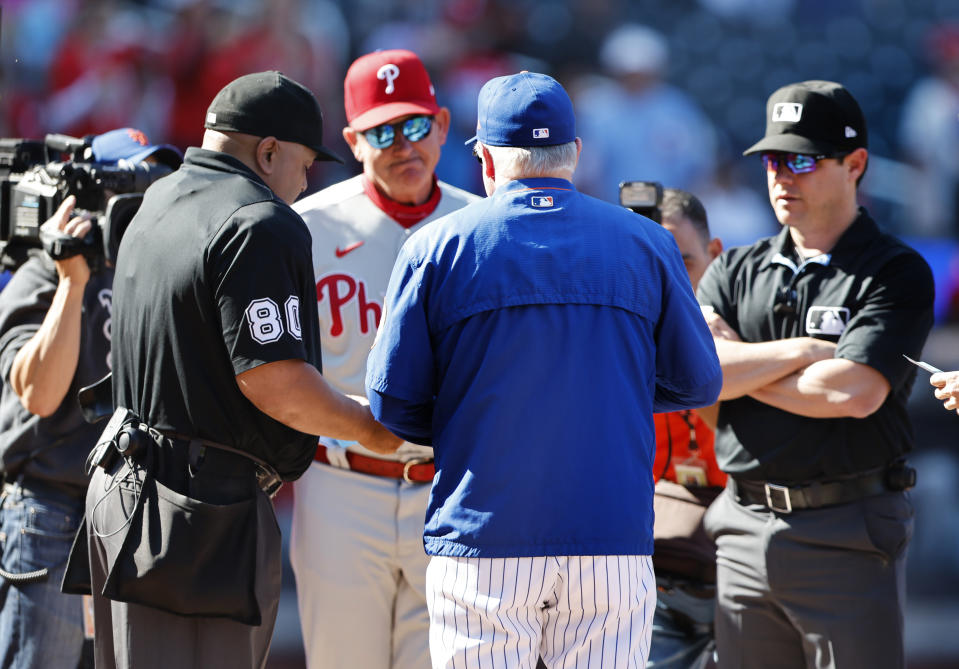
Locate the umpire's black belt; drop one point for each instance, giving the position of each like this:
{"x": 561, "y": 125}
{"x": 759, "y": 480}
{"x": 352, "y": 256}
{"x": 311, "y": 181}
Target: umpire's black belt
{"x": 224, "y": 456}
{"x": 786, "y": 498}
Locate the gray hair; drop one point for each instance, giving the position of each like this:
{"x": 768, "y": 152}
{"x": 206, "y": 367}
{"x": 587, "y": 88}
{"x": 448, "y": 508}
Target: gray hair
{"x": 533, "y": 161}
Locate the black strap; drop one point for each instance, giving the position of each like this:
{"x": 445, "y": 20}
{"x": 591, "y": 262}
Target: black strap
{"x": 811, "y": 495}
{"x": 267, "y": 477}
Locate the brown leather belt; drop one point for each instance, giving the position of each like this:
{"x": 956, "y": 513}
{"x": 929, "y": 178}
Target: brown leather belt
{"x": 417, "y": 470}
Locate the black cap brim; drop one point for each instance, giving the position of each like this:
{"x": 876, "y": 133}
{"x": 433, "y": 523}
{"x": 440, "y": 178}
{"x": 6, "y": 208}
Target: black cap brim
{"x": 324, "y": 154}
{"x": 792, "y": 144}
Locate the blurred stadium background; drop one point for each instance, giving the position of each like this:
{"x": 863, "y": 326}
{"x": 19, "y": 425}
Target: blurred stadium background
{"x": 666, "y": 90}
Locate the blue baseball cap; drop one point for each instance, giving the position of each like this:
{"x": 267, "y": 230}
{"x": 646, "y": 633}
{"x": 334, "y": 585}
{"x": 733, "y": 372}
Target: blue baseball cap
{"x": 133, "y": 146}
{"x": 525, "y": 109}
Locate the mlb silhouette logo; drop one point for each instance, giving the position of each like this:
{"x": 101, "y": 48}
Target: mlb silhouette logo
{"x": 827, "y": 320}
{"x": 787, "y": 112}
{"x": 540, "y": 133}
{"x": 541, "y": 201}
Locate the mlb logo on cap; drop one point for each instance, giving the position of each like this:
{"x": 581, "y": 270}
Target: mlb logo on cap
{"x": 541, "y": 201}
{"x": 812, "y": 117}
{"x": 788, "y": 112}
{"x": 522, "y": 110}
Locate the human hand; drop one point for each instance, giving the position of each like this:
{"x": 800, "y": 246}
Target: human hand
{"x": 947, "y": 389}
{"x": 75, "y": 268}
{"x": 718, "y": 327}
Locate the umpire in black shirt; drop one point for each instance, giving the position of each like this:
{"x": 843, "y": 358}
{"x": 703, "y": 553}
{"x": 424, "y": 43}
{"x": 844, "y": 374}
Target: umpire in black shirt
{"x": 216, "y": 348}
{"x": 810, "y": 327}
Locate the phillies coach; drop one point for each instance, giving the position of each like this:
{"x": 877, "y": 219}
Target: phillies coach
{"x": 360, "y": 572}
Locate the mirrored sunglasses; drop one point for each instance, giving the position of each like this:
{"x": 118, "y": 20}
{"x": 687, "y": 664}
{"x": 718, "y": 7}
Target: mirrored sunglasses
{"x": 798, "y": 163}
{"x": 414, "y": 129}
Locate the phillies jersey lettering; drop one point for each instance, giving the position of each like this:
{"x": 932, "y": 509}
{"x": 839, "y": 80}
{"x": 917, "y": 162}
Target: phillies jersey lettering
{"x": 355, "y": 244}
{"x": 338, "y": 292}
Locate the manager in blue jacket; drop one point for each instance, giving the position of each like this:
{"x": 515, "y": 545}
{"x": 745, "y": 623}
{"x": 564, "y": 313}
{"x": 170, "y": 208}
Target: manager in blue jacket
{"x": 529, "y": 338}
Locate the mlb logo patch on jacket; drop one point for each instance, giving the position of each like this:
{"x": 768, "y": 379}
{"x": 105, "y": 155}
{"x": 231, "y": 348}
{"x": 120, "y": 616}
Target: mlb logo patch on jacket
{"x": 541, "y": 201}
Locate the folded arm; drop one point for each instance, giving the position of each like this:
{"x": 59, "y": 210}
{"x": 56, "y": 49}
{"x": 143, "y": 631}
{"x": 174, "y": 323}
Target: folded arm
{"x": 750, "y": 366}
{"x": 747, "y": 367}
{"x": 834, "y": 388}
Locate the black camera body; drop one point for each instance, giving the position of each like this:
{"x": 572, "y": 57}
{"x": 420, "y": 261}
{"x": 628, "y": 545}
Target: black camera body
{"x": 643, "y": 197}
{"x": 34, "y": 181}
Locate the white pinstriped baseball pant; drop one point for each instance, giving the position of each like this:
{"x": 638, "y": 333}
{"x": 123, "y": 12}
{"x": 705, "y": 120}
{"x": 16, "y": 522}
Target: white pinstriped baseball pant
{"x": 573, "y": 611}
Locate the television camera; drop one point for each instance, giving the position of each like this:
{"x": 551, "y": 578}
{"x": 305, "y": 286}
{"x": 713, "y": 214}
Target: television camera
{"x": 643, "y": 197}
{"x": 36, "y": 176}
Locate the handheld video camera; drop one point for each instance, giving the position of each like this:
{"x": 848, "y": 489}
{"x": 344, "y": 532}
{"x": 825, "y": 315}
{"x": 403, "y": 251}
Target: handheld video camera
{"x": 643, "y": 197}
{"x": 34, "y": 181}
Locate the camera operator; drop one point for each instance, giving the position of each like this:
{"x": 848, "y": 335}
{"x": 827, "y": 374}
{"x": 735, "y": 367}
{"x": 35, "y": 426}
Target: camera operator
{"x": 54, "y": 339}
{"x": 688, "y": 478}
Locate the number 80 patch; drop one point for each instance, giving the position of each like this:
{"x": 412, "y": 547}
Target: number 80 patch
{"x": 266, "y": 322}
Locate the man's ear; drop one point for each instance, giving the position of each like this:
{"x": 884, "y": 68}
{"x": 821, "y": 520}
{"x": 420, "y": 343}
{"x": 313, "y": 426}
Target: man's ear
{"x": 714, "y": 247}
{"x": 441, "y": 124}
{"x": 857, "y": 163}
{"x": 352, "y": 138}
{"x": 265, "y": 157}
{"x": 489, "y": 170}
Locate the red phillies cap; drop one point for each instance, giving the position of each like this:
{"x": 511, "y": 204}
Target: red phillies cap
{"x": 385, "y": 85}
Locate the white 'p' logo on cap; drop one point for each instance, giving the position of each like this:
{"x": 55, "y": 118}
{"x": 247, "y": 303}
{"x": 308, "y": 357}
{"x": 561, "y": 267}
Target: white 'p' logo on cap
{"x": 389, "y": 73}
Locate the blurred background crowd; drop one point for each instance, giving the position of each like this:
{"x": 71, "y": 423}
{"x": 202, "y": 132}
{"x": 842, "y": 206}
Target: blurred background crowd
{"x": 665, "y": 90}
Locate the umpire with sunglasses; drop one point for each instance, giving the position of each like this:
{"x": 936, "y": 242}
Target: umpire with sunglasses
{"x": 810, "y": 327}
{"x": 357, "y": 543}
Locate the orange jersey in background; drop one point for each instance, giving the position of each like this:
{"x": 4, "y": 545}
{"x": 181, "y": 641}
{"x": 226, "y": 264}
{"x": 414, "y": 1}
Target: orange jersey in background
{"x": 692, "y": 454}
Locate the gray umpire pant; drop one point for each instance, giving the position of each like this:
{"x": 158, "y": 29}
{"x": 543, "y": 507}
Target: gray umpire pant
{"x": 814, "y": 588}
{"x": 132, "y": 636}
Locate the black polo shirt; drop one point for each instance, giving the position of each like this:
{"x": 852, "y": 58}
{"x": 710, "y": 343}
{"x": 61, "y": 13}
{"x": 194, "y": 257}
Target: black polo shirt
{"x": 871, "y": 294}
{"x": 214, "y": 277}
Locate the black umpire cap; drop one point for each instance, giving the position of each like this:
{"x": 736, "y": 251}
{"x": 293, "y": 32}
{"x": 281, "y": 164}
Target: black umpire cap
{"x": 270, "y": 104}
{"x": 812, "y": 117}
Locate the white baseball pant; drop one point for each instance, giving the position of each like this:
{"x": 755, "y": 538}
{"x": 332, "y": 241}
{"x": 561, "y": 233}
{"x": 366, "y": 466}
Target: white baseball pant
{"x": 573, "y": 611}
{"x": 357, "y": 552}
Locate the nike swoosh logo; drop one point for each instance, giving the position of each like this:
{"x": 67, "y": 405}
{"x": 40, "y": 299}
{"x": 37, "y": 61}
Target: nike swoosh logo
{"x": 352, "y": 247}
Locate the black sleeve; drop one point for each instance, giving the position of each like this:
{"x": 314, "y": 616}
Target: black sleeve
{"x": 262, "y": 264}
{"x": 895, "y": 319}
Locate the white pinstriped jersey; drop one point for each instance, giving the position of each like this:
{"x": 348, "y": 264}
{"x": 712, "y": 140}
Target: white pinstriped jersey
{"x": 354, "y": 247}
